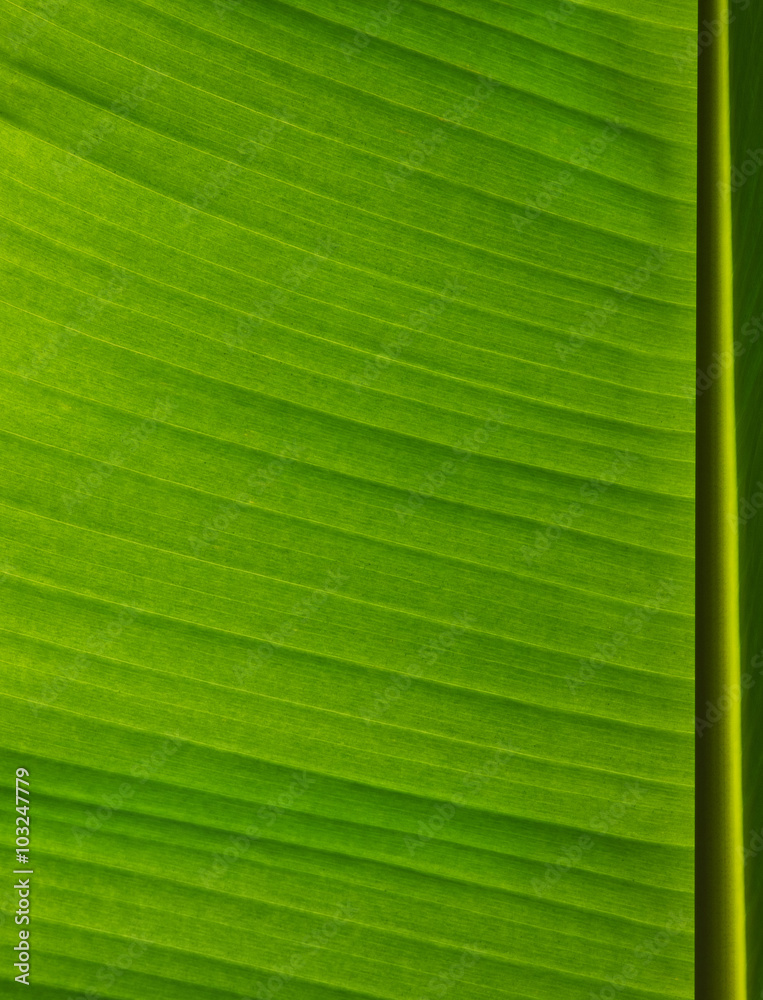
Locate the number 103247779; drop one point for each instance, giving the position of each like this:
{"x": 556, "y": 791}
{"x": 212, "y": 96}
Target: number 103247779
{"x": 22, "y": 885}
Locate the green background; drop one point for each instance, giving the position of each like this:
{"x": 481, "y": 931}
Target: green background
{"x": 348, "y": 406}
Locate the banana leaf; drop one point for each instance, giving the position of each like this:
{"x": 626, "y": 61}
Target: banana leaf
{"x": 349, "y": 391}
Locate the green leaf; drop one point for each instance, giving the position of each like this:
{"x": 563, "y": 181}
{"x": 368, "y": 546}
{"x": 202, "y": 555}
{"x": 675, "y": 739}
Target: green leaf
{"x": 348, "y": 379}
